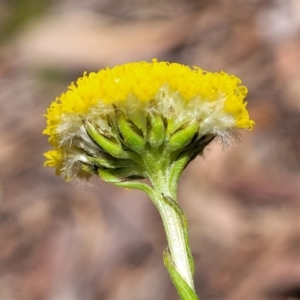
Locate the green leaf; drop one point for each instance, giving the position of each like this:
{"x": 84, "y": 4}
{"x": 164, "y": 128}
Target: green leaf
{"x": 184, "y": 290}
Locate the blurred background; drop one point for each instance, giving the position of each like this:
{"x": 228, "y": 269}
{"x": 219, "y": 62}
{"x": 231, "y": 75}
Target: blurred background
{"x": 67, "y": 241}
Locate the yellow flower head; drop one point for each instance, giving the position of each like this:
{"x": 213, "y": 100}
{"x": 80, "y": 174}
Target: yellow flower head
{"x": 154, "y": 100}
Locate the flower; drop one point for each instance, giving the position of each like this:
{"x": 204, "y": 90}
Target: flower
{"x": 107, "y": 120}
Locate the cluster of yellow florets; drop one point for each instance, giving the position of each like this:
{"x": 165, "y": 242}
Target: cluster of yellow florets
{"x": 144, "y": 81}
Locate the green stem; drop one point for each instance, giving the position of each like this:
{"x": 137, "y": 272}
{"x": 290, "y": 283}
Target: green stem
{"x": 164, "y": 176}
{"x": 175, "y": 227}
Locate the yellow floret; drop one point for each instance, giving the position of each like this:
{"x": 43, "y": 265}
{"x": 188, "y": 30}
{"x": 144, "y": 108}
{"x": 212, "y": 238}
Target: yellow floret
{"x": 55, "y": 159}
{"x": 143, "y": 81}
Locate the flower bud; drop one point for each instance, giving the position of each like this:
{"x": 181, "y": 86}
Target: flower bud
{"x": 156, "y": 134}
{"x": 114, "y": 149}
{"x": 181, "y": 138}
{"x": 131, "y": 138}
